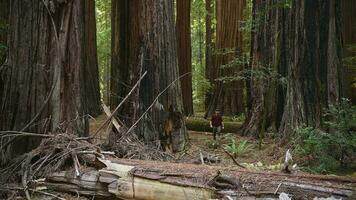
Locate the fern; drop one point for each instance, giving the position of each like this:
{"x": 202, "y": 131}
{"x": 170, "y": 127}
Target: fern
{"x": 238, "y": 149}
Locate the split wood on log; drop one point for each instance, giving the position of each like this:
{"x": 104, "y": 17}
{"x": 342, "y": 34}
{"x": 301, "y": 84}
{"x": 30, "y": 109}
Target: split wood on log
{"x": 148, "y": 180}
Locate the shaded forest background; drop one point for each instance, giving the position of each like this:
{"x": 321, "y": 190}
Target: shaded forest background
{"x": 284, "y": 68}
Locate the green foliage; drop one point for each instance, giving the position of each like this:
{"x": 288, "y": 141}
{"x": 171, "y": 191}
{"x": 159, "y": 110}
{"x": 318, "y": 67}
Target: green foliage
{"x": 251, "y": 24}
{"x": 238, "y": 149}
{"x": 200, "y": 84}
{"x": 239, "y": 118}
{"x": 350, "y": 61}
{"x": 213, "y": 144}
{"x": 245, "y": 27}
{"x": 333, "y": 148}
{"x": 103, "y": 26}
{"x": 262, "y": 73}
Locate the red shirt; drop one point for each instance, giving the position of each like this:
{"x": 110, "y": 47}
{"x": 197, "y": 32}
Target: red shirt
{"x": 216, "y": 120}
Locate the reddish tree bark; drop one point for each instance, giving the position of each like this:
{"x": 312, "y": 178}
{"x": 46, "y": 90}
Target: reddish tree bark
{"x": 349, "y": 39}
{"x": 4, "y": 14}
{"x": 144, "y": 39}
{"x": 209, "y": 69}
{"x": 44, "y": 74}
{"x": 4, "y": 17}
{"x": 310, "y": 61}
{"x": 91, "y": 76}
{"x": 228, "y": 97}
{"x": 185, "y": 53}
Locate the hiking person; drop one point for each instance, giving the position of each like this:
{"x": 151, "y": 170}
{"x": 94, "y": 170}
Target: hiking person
{"x": 216, "y": 123}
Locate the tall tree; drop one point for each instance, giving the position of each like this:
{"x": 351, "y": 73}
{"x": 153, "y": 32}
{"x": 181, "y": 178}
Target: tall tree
{"x": 300, "y": 56}
{"x": 185, "y": 53}
{"x": 349, "y": 39}
{"x": 91, "y": 76}
{"x": 228, "y": 97}
{"x": 45, "y": 69}
{"x": 4, "y": 14}
{"x": 265, "y": 92}
{"x": 144, "y": 39}
{"x": 103, "y": 19}
{"x": 209, "y": 66}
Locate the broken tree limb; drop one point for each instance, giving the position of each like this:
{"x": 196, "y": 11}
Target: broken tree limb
{"x": 121, "y": 103}
{"x": 233, "y": 159}
{"x": 113, "y": 119}
{"x": 154, "y": 102}
{"x": 146, "y": 180}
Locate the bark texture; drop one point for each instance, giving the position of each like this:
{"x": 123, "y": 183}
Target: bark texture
{"x": 91, "y": 77}
{"x": 349, "y": 39}
{"x": 185, "y": 53}
{"x": 4, "y": 14}
{"x": 209, "y": 68}
{"x": 144, "y": 39}
{"x": 146, "y": 180}
{"x": 301, "y": 43}
{"x": 44, "y": 75}
{"x": 227, "y": 97}
{"x": 4, "y": 17}
{"x": 268, "y": 52}
{"x": 308, "y": 75}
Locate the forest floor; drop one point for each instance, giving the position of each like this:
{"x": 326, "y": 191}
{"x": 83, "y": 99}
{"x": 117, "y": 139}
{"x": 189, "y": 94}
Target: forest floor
{"x": 269, "y": 157}
{"x": 201, "y": 144}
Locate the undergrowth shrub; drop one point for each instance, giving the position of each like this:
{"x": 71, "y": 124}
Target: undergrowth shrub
{"x": 334, "y": 146}
{"x": 238, "y": 149}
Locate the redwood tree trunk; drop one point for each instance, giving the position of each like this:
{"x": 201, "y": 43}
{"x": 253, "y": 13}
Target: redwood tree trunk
{"x": 144, "y": 39}
{"x": 209, "y": 69}
{"x": 43, "y": 78}
{"x": 228, "y": 97}
{"x": 303, "y": 101}
{"x": 349, "y": 38}
{"x": 91, "y": 76}
{"x": 185, "y": 53}
{"x": 266, "y": 94}
{"x": 4, "y": 17}
{"x": 301, "y": 43}
{"x": 4, "y": 14}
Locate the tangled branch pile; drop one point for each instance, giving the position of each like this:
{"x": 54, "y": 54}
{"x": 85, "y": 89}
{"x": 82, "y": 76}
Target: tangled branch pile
{"x": 56, "y": 152}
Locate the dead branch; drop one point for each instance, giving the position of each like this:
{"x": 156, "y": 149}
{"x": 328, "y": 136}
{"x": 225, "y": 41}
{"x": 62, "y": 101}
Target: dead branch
{"x": 233, "y": 159}
{"x": 4, "y": 134}
{"x": 154, "y": 102}
{"x": 120, "y": 104}
{"x": 153, "y": 178}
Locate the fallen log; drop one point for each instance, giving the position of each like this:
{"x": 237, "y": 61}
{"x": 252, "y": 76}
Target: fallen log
{"x": 148, "y": 180}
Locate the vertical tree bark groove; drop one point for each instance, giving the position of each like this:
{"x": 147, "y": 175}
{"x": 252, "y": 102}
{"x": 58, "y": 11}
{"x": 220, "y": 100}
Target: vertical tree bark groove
{"x": 349, "y": 38}
{"x": 144, "y": 32}
{"x": 4, "y": 14}
{"x": 4, "y": 19}
{"x": 228, "y": 97}
{"x": 27, "y": 73}
{"x": 334, "y": 55}
{"x": 209, "y": 69}
{"x": 71, "y": 103}
{"x": 266, "y": 94}
{"x": 185, "y": 53}
{"x": 43, "y": 78}
{"x": 297, "y": 35}
{"x": 91, "y": 76}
